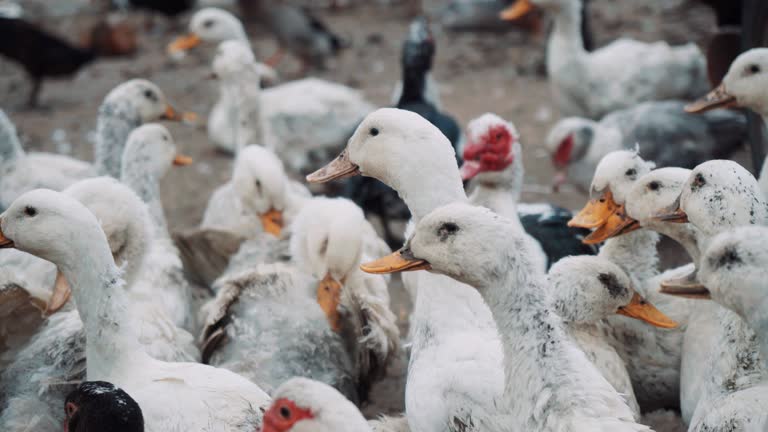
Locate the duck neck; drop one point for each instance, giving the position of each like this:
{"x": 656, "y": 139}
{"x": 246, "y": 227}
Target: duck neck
{"x": 99, "y": 292}
{"x": 10, "y": 147}
{"x": 430, "y": 191}
{"x": 566, "y": 42}
{"x": 116, "y": 121}
{"x": 414, "y": 84}
{"x": 635, "y": 253}
{"x": 146, "y": 184}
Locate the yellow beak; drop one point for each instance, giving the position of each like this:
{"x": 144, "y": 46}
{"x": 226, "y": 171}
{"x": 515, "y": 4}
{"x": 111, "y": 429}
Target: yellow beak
{"x": 272, "y": 222}
{"x": 182, "y": 160}
{"x": 60, "y": 296}
{"x": 519, "y": 9}
{"x": 400, "y": 261}
{"x": 183, "y": 43}
{"x": 329, "y": 297}
{"x": 640, "y": 309}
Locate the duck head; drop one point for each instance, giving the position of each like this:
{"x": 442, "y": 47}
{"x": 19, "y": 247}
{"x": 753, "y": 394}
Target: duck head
{"x": 605, "y": 211}
{"x": 419, "y": 47}
{"x": 743, "y": 86}
{"x": 492, "y": 152}
{"x": 209, "y": 25}
{"x": 327, "y": 239}
{"x": 99, "y": 405}
{"x": 146, "y": 99}
{"x": 568, "y": 142}
{"x": 587, "y": 289}
{"x": 151, "y": 148}
{"x": 260, "y": 182}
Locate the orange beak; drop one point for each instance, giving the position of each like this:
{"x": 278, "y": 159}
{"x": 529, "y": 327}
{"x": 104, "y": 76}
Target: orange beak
{"x": 329, "y": 297}
{"x": 673, "y": 214}
{"x": 183, "y": 43}
{"x": 640, "y": 309}
{"x": 61, "y": 294}
{"x": 5, "y": 242}
{"x": 182, "y": 160}
{"x": 518, "y": 10}
{"x": 717, "y": 98}
{"x": 596, "y": 212}
{"x": 400, "y": 261}
{"x": 272, "y": 222}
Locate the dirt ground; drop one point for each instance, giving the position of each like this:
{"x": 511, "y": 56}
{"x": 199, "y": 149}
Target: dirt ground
{"x": 477, "y": 73}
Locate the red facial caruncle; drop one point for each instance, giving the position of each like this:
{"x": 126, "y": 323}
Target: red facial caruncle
{"x": 492, "y": 151}
{"x": 562, "y": 156}
{"x": 283, "y": 414}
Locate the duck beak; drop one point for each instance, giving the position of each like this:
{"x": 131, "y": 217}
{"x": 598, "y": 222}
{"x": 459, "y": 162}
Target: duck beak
{"x": 519, "y": 9}
{"x": 469, "y": 169}
{"x": 329, "y": 297}
{"x": 400, "y": 261}
{"x": 596, "y": 212}
{"x": 673, "y": 214}
{"x": 687, "y": 286}
{"x": 182, "y": 160}
{"x": 183, "y": 43}
{"x": 717, "y": 98}
{"x": 272, "y": 222}
{"x": 339, "y": 168}
{"x": 60, "y": 296}
{"x": 639, "y": 308}
{"x": 5, "y": 242}
{"x": 617, "y": 224}
{"x": 173, "y": 115}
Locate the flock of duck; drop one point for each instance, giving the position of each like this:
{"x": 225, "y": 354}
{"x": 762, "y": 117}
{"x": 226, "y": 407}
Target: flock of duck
{"x": 274, "y": 314}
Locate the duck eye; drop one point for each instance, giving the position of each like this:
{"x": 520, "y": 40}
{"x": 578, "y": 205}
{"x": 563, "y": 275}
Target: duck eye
{"x": 654, "y": 185}
{"x": 208, "y": 23}
{"x": 30, "y": 211}
{"x": 631, "y": 172}
{"x": 285, "y": 412}
{"x": 499, "y": 135}
{"x": 258, "y": 185}
{"x": 374, "y": 131}
{"x": 754, "y": 69}
{"x": 70, "y": 409}
{"x": 165, "y": 138}
{"x": 699, "y": 180}
{"x": 149, "y": 94}
{"x": 447, "y": 229}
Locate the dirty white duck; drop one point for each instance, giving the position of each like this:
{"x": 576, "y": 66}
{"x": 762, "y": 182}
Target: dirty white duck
{"x": 587, "y": 289}
{"x": 124, "y": 108}
{"x": 493, "y": 160}
{"x": 42, "y": 371}
{"x": 488, "y": 252}
{"x": 593, "y": 84}
{"x": 732, "y": 274}
{"x": 304, "y": 404}
{"x": 455, "y": 372}
{"x": 149, "y": 153}
{"x": 663, "y": 131}
{"x": 717, "y": 196}
{"x": 56, "y": 227}
{"x": 259, "y": 199}
{"x": 652, "y": 354}
{"x": 743, "y": 86}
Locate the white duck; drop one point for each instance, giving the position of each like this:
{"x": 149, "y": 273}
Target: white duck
{"x": 732, "y": 274}
{"x": 43, "y": 370}
{"x": 662, "y": 130}
{"x": 455, "y": 372}
{"x": 743, "y": 86}
{"x": 301, "y": 404}
{"x": 328, "y": 114}
{"x": 149, "y": 154}
{"x": 652, "y": 355}
{"x": 588, "y": 289}
{"x": 593, "y": 84}
{"x": 493, "y": 159}
{"x": 488, "y": 252}
{"x": 56, "y": 227}
{"x": 126, "y": 107}
{"x": 717, "y": 196}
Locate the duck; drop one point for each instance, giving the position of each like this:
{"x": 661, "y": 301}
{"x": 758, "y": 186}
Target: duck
{"x": 652, "y": 355}
{"x": 297, "y": 30}
{"x": 486, "y": 251}
{"x": 732, "y": 275}
{"x": 493, "y": 163}
{"x": 594, "y": 84}
{"x": 718, "y": 196}
{"x": 40, "y": 53}
{"x": 99, "y": 405}
{"x": 51, "y": 362}
{"x": 56, "y": 227}
{"x": 587, "y": 289}
{"x": 259, "y": 198}
{"x": 452, "y": 331}
{"x": 302, "y": 403}
{"x": 417, "y": 52}
{"x": 343, "y": 318}
{"x": 742, "y": 86}
{"x": 662, "y": 130}
{"x": 125, "y": 107}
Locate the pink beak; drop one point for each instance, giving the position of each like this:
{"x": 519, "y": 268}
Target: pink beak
{"x": 469, "y": 169}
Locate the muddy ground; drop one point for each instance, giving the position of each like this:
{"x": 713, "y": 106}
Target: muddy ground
{"x": 477, "y": 72}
